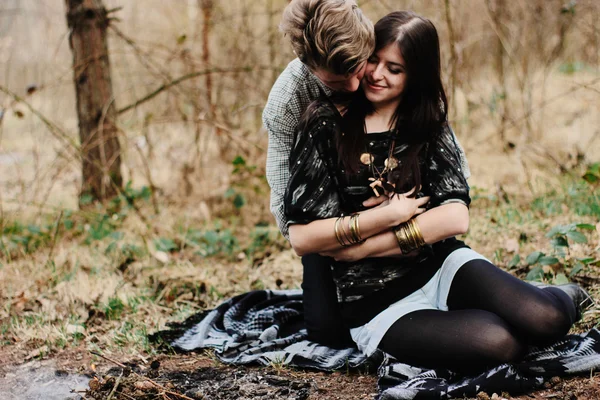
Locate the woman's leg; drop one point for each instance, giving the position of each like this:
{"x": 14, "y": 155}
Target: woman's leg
{"x": 540, "y": 316}
{"x": 463, "y": 340}
{"x": 321, "y": 311}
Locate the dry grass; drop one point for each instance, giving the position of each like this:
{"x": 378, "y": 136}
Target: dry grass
{"x": 103, "y": 279}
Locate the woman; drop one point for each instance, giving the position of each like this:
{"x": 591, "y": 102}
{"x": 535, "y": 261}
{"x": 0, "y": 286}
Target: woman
{"x": 405, "y": 285}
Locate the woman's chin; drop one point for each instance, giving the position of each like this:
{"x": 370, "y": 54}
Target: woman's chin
{"x": 372, "y": 97}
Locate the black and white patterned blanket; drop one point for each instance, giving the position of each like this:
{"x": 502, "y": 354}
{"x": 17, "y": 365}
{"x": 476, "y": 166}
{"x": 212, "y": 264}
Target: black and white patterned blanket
{"x": 249, "y": 328}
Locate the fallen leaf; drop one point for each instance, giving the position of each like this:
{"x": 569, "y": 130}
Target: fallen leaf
{"x": 161, "y": 256}
{"x": 73, "y": 329}
{"x": 143, "y": 385}
{"x": 94, "y": 384}
{"x": 37, "y": 353}
{"x": 511, "y": 245}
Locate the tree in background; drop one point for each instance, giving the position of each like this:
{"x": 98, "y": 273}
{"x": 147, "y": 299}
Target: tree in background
{"x": 100, "y": 150}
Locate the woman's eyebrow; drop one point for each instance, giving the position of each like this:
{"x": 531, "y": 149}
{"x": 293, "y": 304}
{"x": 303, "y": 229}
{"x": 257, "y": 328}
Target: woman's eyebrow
{"x": 396, "y": 64}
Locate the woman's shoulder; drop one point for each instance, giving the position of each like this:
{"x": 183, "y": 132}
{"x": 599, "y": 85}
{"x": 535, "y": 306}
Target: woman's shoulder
{"x": 322, "y": 108}
{"x": 320, "y": 113}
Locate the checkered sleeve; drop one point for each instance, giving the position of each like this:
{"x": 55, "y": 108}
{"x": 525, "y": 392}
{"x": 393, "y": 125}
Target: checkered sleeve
{"x": 280, "y": 123}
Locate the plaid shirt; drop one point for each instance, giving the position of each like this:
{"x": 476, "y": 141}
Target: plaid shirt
{"x": 291, "y": 94}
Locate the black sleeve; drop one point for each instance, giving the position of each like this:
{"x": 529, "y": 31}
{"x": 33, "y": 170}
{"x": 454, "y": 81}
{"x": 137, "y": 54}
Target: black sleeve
{"x": 446, "y": 182}
{"x": 311, "y": 192}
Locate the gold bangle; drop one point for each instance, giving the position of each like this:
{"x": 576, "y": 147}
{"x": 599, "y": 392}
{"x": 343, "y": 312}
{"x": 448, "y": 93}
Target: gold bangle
{"x": 360, "y": 239}
{"x": 401, "y": 238}
{"x": 346, "y": 234}
{"x": 351, "y": 229}
{"x": 410, "y": 233}
{"x": 336, "y": 229}
{"x": 409, "y": 236}
{"x": 353, "y": 225}
{"x": 357, "y": 229}
{"x": 409, "y": 243}
{"x": 419, "y": 241}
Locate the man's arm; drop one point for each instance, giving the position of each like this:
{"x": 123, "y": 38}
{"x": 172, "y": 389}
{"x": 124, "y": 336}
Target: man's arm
{"x": 280, "y": 124}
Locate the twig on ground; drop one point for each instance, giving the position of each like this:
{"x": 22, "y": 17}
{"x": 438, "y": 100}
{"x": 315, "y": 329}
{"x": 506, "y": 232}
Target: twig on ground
{"x": 158, "y": 385}
{"x": 114, "y": 389}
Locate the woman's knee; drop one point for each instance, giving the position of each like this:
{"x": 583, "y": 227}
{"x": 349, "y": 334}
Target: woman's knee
{"x": 498, "y": 343}
{"x": 548, "y": 324}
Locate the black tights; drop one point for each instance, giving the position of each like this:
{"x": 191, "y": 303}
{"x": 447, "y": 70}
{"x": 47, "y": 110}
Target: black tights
{"x": 493, "y": 317}
{"x": 322, "y": 315}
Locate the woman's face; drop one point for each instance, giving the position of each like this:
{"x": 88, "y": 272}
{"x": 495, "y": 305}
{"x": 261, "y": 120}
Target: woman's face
{"x": 385, "y": 76}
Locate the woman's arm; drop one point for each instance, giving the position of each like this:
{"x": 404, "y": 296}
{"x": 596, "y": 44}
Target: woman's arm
{"x": 319, "y": 236}
{"x": 436, "y": 224}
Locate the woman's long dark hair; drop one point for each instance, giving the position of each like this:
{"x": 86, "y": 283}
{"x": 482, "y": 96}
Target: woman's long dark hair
{"x": 423, "y": 109}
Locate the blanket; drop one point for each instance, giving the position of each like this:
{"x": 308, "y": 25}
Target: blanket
{"x": 265, "y": 327}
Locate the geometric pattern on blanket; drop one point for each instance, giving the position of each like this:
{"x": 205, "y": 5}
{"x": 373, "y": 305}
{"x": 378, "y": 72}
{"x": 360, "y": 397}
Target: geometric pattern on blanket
{"x": 246, "y": 329}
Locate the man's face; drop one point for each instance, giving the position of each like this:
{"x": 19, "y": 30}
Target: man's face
{"x": 341, "y": 83}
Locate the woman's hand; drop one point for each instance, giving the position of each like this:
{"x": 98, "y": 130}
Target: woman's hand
{"x": 403, "y": 208}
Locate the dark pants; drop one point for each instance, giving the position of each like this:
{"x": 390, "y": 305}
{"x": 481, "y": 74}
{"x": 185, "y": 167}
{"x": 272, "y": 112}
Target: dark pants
{"x": 321, "y": 312}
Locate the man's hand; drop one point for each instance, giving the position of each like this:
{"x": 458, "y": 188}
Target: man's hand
{"x": 376, "y": 201}
{"x": 351, "y": 253}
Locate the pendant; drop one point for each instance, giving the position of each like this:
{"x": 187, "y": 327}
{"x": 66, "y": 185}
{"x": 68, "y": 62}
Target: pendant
{"x": 376, "y": 183}
{"x": 366, "y": 158}
{"x": 390, "y": 163}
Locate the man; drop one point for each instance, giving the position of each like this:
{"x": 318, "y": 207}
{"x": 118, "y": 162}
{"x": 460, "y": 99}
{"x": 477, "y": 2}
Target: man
{"x": 332, "y": 40}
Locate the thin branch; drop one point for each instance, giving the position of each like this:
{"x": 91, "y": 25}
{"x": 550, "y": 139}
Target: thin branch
{"x": 54, "y": 237}
{"x": 186, "y": 77}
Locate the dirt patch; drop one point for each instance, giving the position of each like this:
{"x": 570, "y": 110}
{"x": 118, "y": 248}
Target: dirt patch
{"x": 199, "y": 377}
{"x": 196, "y": 377}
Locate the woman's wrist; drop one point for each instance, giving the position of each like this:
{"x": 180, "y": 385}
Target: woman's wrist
{"x": 394, "y": 218}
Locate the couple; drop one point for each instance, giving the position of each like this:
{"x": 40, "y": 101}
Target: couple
{"x": 369, "y": 184}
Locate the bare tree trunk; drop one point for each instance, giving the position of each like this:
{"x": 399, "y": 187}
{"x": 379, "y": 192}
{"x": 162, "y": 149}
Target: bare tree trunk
{"x": 101, "y": 153}
{"x": 453, "y": 60}
{"x": 207, "y": 7}
{"x": 498, "y": 11}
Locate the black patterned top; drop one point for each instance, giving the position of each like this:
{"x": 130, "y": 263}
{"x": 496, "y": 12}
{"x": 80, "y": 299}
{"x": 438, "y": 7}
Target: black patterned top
{"x": 319, "y": 189}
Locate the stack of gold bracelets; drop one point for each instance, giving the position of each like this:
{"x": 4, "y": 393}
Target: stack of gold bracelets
{"x": 409, "y": 236}
{"x": 348, "y": 237}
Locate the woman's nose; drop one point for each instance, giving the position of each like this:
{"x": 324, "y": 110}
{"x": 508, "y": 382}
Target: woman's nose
{"x": 377, "y": 74}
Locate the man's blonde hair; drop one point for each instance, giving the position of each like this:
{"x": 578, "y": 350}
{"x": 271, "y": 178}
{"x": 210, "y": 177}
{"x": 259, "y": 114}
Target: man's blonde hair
{"x": 330, "y": 34}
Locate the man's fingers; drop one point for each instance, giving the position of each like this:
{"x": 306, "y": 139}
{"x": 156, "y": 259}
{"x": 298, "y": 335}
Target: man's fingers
{"x": 423, "y": 200}
{"x": 374, "y": 201}
{"x": 412, "y": 191}
{"x": 420, "y": 211}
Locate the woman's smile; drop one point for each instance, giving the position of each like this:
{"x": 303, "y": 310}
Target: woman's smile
{"x": 374, "y": 86}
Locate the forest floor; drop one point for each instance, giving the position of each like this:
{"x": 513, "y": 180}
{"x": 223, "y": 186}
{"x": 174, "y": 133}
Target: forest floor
{"x": 81, "y": 291}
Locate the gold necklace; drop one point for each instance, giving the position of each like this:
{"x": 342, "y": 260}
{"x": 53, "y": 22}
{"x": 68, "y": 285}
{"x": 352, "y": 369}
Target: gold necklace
{"x": 389, "y": 163}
